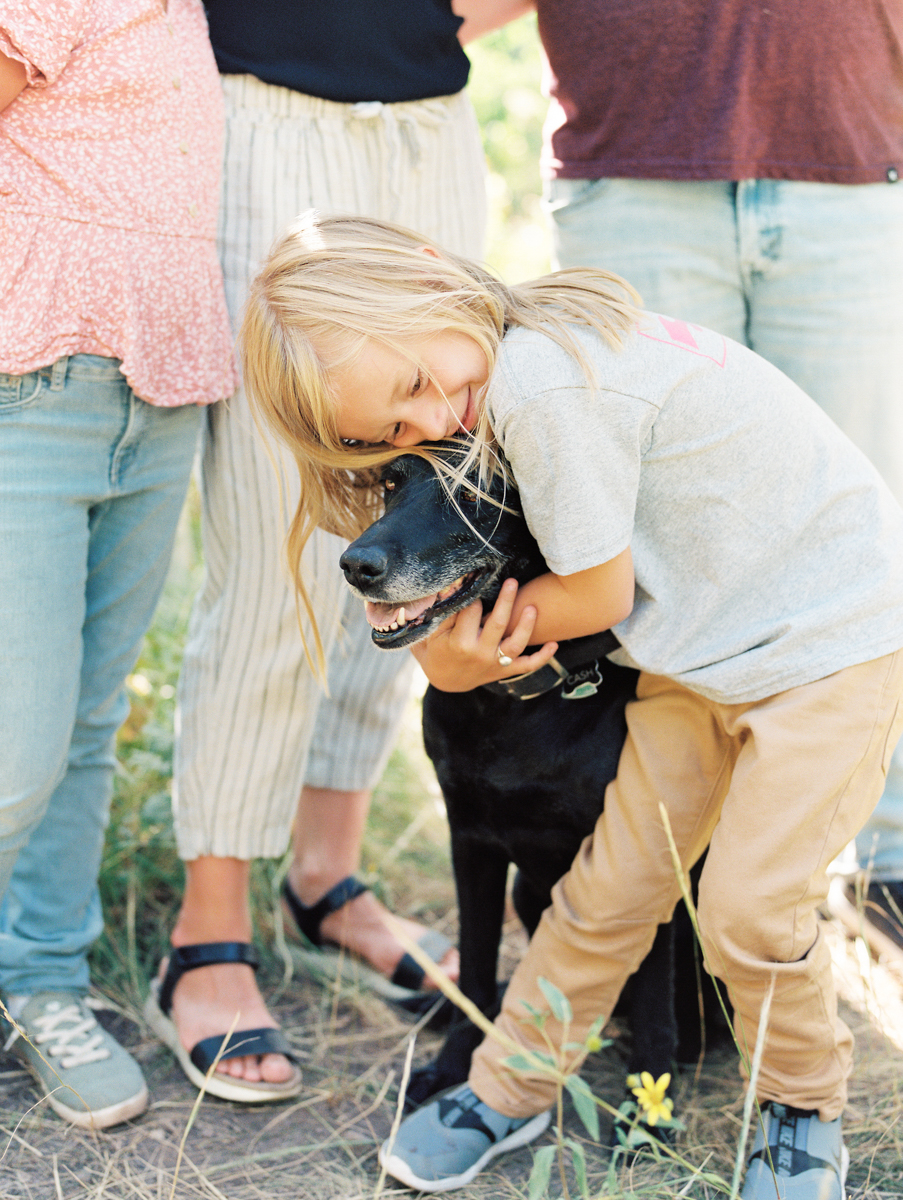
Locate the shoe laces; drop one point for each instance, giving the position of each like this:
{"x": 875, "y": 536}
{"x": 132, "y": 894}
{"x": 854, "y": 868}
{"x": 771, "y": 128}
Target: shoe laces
{"x": 67, "y": 1031}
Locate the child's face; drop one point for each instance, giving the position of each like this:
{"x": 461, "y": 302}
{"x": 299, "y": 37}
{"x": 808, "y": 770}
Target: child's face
{"x": 385, "y": 397}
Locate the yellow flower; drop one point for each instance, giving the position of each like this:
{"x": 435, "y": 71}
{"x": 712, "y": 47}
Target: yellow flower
{"x": 651, "y": 1095}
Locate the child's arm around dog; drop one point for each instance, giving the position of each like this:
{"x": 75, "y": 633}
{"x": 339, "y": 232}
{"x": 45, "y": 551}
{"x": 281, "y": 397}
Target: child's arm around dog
{"x": 464, "y": 653}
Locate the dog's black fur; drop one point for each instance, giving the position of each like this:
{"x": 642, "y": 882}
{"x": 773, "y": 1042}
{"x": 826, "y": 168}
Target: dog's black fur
{"x": 523, "y": 780}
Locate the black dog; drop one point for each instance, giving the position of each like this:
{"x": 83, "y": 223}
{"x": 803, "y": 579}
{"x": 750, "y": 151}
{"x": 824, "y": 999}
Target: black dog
{"x": 523, "y": 766}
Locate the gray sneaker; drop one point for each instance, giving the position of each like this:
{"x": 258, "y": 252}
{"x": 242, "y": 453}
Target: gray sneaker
{"x": 89, "y": 1079}
{"x": 446, "y": 1142}
{"x": 805, "y": 1160}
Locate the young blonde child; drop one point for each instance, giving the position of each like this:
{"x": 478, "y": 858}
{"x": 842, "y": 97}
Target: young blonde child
{"x": 750, "y": 561}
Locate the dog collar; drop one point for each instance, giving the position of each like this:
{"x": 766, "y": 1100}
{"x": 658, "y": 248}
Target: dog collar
{"x": 575, "y": 669}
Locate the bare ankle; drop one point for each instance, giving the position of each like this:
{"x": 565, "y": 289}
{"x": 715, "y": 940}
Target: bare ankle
{"x": 215, "y": 903}
{"x": 195, "y": 933}
{"x": 310, "y": 880}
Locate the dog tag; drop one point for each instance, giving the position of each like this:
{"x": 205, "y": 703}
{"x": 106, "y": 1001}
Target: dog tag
{"x": 583, "y": 683}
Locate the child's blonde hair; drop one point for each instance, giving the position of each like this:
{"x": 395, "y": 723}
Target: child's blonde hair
{"x": 330, "y": 284}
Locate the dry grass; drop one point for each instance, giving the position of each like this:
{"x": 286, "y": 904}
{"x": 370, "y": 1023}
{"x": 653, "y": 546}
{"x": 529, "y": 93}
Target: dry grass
{"x": 323, "y": 1146}
{"x": 352, "y": 1048}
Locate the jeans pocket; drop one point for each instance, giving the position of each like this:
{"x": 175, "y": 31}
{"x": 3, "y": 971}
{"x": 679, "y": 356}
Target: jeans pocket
{"x": 560, "y": 194}
{"x": 18, "y": 391}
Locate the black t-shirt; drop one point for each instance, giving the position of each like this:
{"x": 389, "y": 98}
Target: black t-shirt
{"x": 344, "y": 50}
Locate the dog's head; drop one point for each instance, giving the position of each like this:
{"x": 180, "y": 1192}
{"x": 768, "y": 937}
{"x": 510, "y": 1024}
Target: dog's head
{"x": 432, "y": 554}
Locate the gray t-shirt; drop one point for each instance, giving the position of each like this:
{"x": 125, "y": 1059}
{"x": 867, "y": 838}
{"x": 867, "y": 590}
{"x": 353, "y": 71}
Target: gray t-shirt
{"x": 767, "y": 550}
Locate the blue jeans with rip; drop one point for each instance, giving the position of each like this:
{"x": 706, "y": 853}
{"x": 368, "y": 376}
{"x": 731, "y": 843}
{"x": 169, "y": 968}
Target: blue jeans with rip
{"x": 92, "y": 480}
{"x": 809, "y": 275}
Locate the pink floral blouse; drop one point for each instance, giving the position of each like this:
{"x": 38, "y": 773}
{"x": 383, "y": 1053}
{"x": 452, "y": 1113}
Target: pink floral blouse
{"x": 109, "y": 176}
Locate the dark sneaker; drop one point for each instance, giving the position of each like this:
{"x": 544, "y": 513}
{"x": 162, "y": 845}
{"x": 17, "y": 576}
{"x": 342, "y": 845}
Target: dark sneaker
{"x": 874, "y": 913}
{"x": 89, "y": 1079}
{"x": 448, "y": 1141}
{"x": 796, "y": 1157}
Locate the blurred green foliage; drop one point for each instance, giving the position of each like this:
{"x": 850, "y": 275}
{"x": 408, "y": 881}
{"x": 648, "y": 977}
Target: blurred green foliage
{"x": 504, "y": 87}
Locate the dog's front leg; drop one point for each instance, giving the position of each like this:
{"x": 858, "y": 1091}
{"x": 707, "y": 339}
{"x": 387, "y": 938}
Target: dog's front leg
{"x": 652, "y": 1019}
{"x": 480, "y": 878}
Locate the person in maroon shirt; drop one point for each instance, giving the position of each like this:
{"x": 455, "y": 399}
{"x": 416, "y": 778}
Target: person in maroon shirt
{"x": 739, "y": 164}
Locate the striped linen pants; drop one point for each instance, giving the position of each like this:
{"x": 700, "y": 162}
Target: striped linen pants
{"x": 253, "y": 723}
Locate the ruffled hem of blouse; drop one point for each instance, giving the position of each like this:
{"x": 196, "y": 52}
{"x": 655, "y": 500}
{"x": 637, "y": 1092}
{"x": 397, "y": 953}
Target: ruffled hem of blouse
{"x": 155, "y": 302}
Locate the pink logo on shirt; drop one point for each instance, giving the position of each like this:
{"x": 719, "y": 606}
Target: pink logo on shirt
{"x": 682, "y": 336}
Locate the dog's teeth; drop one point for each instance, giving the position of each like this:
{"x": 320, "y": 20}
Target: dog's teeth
{"x": 402, "y": 619}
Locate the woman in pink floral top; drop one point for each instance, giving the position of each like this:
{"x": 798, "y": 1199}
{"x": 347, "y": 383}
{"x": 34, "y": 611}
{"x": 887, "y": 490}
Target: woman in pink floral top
{"x": 113, "y": 331}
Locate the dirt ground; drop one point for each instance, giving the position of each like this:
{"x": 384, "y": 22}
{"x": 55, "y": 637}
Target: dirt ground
{"x": 352, "y": 1050}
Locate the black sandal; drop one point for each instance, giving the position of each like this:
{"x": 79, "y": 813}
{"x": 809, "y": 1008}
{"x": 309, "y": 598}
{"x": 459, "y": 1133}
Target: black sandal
{"x": 198, "y": 1063}
{"x": 330, "y": 961}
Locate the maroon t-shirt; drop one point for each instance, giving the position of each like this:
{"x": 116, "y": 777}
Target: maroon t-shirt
{"x": 724, "y": 89}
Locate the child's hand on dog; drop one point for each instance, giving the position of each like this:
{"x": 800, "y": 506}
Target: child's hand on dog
{"x": 465, "y": 652}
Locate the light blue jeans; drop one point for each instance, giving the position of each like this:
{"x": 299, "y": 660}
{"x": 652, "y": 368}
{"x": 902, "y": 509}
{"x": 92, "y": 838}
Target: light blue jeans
{"x": 92, "y": 480}
{"x": 809, "y": 275}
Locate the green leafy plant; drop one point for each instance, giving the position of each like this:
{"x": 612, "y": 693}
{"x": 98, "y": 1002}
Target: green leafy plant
{"x": 633, "y": 1119}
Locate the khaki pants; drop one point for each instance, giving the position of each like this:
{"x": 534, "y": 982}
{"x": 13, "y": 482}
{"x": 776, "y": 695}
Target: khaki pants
{"x": 776, "y": 789}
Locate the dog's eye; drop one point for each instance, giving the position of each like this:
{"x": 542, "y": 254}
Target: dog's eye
{"x": 389, "y": 485}
{"x": 468, "y": 496}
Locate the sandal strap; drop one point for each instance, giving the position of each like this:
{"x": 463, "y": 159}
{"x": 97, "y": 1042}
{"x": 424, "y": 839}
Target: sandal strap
{"x": 205, "y": 954}
{"x": 309, "y": 918}
{"x": 409, "y": 973}
{"x": 244, "y": 1041}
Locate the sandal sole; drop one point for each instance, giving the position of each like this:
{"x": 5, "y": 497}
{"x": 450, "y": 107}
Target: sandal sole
{"x": 214, "y": 1083}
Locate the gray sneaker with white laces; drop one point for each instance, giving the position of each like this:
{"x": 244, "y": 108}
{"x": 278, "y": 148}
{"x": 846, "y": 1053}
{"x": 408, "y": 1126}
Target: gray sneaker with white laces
{"x": 448, "y": 1140}
{"x": 796, "y": 1156}
{"x": 89, "y": 1079}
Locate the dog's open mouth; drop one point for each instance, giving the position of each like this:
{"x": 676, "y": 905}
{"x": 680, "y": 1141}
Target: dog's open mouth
{"x": 406, "y": 622}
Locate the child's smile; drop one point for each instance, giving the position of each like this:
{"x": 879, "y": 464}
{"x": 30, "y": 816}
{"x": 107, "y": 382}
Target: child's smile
{"x": 426, "y": 394}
